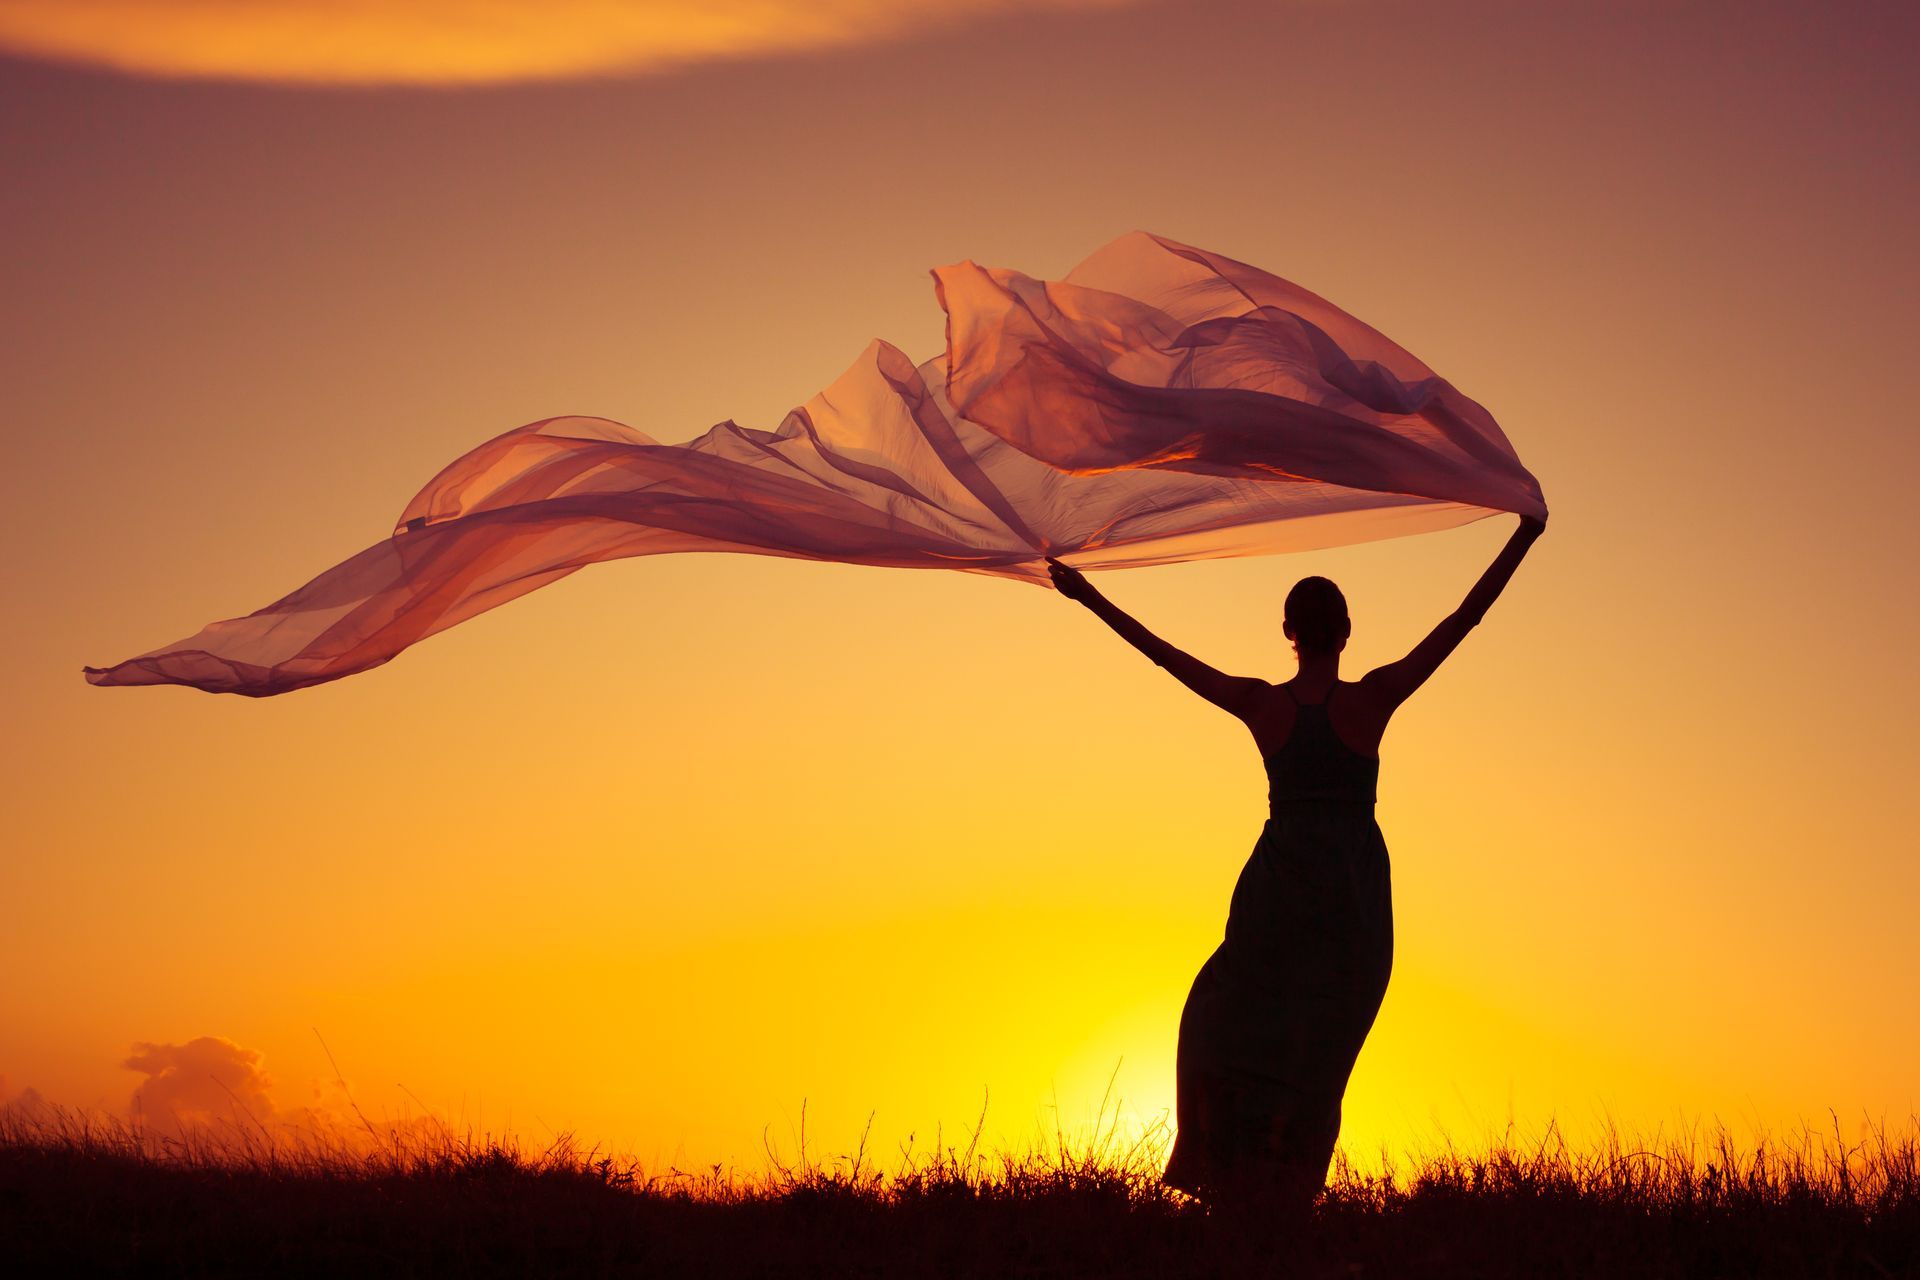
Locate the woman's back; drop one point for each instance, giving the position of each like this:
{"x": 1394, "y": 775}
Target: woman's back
{"x": 1313, "y": 764}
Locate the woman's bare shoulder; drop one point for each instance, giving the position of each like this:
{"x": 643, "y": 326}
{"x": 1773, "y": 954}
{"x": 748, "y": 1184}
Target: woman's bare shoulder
{"x": 1269, "y": 715}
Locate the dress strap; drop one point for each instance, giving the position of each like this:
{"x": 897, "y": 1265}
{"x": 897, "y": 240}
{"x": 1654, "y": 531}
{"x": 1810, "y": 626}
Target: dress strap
{"x": 1324, "y": 702}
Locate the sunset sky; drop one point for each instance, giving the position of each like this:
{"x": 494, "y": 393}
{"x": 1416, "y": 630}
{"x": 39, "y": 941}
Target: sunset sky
{"x": 661, "y": 852}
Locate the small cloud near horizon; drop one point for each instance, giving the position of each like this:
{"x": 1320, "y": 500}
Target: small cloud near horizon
{"x": 205, "y": 1082}
{"x": 456, "y": 42}
{"x": 211, "y": 1087}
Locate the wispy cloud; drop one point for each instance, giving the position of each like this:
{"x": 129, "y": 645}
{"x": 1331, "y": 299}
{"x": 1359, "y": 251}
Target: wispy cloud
{"x": 449, "y": 42}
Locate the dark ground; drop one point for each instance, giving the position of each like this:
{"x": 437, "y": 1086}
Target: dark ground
{"x": 73, "y": 1204}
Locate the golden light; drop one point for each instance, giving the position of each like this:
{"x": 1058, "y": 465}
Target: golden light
{"x": 452, "y": 42}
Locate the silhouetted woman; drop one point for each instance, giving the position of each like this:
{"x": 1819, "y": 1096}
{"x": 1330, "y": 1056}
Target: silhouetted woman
{"x": 1279, "y": 1011}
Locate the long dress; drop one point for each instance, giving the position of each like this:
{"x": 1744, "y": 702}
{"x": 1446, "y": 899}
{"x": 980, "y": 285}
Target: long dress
{"x": 1279, "y": 1011}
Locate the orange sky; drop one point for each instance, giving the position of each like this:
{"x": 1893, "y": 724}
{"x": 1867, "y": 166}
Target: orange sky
{"x": 659, "y": 852}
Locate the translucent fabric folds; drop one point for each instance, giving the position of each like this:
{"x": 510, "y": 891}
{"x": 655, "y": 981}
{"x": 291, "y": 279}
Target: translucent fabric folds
{"x": 1159, "y": 404}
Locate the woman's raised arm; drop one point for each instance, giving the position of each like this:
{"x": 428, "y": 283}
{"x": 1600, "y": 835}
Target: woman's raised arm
{"x": 1235, "y": 694}
{"x": 1394, "y": 683}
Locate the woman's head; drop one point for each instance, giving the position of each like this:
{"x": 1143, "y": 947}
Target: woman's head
{"x": 1316, "y": 617}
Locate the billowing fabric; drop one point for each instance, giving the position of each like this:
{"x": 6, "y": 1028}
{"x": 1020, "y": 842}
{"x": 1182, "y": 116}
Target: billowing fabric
{"x": 1275, "y": 1019}
{"x": 1160, "y": 404}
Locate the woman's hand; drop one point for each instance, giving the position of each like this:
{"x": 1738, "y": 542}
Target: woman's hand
{"x": 1068, "y": 582}
{"x": 1532, "y": 527}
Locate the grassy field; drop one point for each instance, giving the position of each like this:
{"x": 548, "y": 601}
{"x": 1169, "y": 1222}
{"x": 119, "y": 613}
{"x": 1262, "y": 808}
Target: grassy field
{"x": 82, "y": 1195}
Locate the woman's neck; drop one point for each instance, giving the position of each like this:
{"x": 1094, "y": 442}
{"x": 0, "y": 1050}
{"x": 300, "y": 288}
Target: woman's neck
{"x": 1318, "y": 669}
